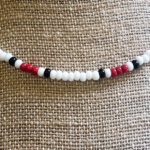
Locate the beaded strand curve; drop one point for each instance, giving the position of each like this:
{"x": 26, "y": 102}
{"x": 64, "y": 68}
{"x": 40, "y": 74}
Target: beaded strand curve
{"x": 71, "y": 76}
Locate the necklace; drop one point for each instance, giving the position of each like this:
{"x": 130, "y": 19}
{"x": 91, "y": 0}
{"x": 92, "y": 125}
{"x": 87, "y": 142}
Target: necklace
{"x": 70, "y": 76}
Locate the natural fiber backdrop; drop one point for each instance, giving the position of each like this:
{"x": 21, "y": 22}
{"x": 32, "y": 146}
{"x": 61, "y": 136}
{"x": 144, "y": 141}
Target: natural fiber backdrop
{"x": 39, "y": 113}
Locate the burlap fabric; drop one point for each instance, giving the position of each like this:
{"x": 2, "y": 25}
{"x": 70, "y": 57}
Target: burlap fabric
{"x": 38, "y": 113}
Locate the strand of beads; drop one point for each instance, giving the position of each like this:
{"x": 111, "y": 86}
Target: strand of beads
{"x": 71, "y": 76}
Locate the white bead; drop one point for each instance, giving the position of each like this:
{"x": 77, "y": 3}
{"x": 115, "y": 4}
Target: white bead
{"x": 65, "y": 76}
{"x": 130, "y": 66}
{"x": 2, "y": 56}
{"x": 71, "y": 76}
{"x": 18, "y": 62}
{"x": 83, "y": 76}
{"x": 53, "y": 74}
{"x": 107, "y": 73}
{"x": 145, "y": 58}
{"x": 1, "y": 51}
{"x": 41, "y": 72}
{"x": 140, "y": 60}
{"x": 76, "y": 75}
{"x": 7, "y": 57}
{"x": 58, "y": 75}
{"x": 148, "y": 53}
{"x": 89, "y": 75}
{"x": 95, "y": 75}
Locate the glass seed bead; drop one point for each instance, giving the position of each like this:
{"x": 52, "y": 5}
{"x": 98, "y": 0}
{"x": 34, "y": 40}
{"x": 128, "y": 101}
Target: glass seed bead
{"x": 107, "y": 73}
{"x": 101, "y": 73}
{"x": 23, "y": 66}
{"x": 119, "y": 70}
{"x": 34, "y": 70}
{"x": 135, "y": 64}
{"x": 47, "y": 73}
{"x": 124, "y": 68}
{"x": 12, "y": 61}
{"x": 113, "y": 72}
{"x": 28, "y": 68}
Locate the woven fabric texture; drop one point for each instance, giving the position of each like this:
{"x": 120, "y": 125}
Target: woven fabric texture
{"x": 39, "y": 113}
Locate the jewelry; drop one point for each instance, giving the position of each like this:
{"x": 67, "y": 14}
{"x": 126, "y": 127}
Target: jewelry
{"x": 70, "y": 76}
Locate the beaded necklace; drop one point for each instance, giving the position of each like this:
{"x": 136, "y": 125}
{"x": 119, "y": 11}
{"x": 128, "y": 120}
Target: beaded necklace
{"x": 70, "y": 76}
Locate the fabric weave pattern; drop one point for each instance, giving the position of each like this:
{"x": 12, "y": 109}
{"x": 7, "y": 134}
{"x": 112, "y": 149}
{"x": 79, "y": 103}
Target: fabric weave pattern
{"x": 39, "y": 113}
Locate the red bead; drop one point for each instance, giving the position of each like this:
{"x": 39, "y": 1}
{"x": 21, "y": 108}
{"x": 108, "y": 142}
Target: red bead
{"x": 124, "y": 68}
{"x": 113, "y": 72}
{"x": 23, "y": 66}
{"x": 34, "y": 70}
{"x": 119, "y": 70}
{"x": 28, "y": 68}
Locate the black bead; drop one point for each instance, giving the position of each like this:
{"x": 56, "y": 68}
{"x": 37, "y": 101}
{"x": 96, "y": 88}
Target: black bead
{"x": 47, "y": 73}
{"x": 101, "y": 73}
{"x": 135, "y": 64}
{"x": 12, "y": 61}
